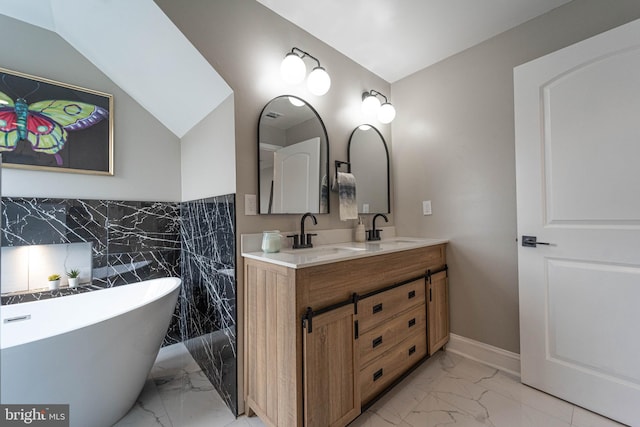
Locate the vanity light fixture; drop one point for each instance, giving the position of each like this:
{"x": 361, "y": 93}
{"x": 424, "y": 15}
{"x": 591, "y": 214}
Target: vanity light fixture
{"x": 371, "y": 105}
{"x": 293, "y": 71}
{"x": 297, "y": 102}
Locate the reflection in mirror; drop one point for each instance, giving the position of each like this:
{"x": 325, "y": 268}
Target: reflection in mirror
{"x": 293, "y": 152}
{"x": 369, "y": 159}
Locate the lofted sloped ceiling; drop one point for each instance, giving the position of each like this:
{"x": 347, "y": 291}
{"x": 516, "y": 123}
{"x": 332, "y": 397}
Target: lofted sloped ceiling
{"x": 139, "y": 48}
{"x": 396, "y": 38}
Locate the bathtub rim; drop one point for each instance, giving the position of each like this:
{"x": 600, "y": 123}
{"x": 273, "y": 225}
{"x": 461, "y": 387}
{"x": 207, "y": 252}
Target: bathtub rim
{"x": 5, "y": 343}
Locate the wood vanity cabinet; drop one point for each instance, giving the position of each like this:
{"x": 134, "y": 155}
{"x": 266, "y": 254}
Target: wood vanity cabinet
{"x": 330, "y": 368}
{"x": 438, "y": 309}
{"x": 314, "y": 354}
{"x": 394, "y": 335}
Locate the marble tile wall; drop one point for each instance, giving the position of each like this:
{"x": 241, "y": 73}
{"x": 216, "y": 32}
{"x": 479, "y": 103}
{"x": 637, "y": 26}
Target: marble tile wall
{"x": 208, "y": 300}
{"x": 131, "y": 241}
{"x": 134, "y": 241}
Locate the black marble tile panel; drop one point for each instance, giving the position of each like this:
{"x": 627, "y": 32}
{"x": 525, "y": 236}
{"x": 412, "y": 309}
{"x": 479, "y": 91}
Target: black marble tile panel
{"x": 143, "y": 226}
{"x": 216, "y": 355}
{"x": 134, "y": 267}
{"x": 208, "y": 298}
{"x": 32, "y": 221}
{"x": 174, "y": 332}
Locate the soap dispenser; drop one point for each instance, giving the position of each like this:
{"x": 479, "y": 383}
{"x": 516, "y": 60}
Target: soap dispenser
{"x": 359, "y": 231}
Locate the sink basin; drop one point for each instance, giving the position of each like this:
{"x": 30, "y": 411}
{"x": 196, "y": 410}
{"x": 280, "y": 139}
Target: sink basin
{"x": 324, "y": 251}
{"x": 391, "y": 244}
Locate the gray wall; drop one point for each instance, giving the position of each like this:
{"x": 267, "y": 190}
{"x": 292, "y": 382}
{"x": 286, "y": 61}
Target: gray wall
{"x": 245, "y": 43}
{"x": 146, "y": 154}
{"x": 454, "y": 145}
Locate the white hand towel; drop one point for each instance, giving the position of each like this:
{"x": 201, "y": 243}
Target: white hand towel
{"x": 347, "y": 196}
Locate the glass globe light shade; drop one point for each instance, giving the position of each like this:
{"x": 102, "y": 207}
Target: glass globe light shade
{"x": 387, "y": 113}
{"x": 293, "y": 69}
{"x": 295, "y": 101}
{"x": 319, "y": 81}
{"x": 370, "y": 105}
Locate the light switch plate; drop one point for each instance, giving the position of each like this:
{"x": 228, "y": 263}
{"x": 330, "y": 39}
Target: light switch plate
{"x": 426, "y": 207}
{"x": 250, "y": 207}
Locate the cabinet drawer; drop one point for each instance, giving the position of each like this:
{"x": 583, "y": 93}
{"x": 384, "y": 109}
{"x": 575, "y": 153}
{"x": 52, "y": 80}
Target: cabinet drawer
{"x": 383, "y": 371}
{"x": 380, "y": 339}
{"x": 377, "y": 308}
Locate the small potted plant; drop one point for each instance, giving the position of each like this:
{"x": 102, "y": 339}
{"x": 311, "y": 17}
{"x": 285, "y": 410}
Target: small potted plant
{"x": 74, "y": 277}
{"x": 54, "y": 281}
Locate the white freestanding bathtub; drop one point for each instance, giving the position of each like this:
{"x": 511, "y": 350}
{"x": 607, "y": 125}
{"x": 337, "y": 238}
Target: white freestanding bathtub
{"x": 92, "y": 351}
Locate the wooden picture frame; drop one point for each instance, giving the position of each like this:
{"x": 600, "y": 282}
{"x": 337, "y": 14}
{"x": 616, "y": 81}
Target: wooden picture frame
{"x": 53, "y": 126}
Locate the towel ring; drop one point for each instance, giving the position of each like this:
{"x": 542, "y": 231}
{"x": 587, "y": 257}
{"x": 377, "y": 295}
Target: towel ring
{"x": 339, "y": 163}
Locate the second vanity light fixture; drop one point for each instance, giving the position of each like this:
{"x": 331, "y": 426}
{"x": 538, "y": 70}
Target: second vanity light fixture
{"x": 293, "y": 71}
{"x": 371, "y": 105}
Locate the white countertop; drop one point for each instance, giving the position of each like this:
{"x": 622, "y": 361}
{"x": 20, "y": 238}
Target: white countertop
{"x": 325, "y": 254}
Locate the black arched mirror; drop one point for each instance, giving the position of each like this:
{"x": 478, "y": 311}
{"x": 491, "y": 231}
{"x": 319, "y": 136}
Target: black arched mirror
{"x": 369, "y": 160}
{"x": 293, "y": 153}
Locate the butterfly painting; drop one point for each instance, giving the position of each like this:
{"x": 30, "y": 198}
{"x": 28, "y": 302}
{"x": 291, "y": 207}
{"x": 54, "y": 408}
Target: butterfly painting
{"x": 45, "y": 124}
{"x": 38, "y": 117}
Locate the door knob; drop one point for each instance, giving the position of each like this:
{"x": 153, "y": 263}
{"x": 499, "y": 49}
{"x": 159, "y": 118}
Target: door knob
{"x": 532, "y": 242}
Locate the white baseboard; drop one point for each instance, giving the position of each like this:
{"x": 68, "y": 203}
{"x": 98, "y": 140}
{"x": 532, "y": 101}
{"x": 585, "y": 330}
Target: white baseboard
{"x": 484, "y": 353}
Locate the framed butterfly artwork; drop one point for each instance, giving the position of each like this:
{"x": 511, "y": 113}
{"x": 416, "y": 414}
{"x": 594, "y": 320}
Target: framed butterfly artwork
{"x": 53, "y": 126}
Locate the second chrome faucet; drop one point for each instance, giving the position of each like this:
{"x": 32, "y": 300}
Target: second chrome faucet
{"x": 304, "y": 240}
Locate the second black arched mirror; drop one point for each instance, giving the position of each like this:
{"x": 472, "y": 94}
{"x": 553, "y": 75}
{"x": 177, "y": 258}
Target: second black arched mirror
{"x": 369, "y": 160}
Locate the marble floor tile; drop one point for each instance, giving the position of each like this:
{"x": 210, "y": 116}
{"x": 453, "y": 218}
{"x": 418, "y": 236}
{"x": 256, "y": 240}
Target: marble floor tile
{"x": 148, "y": 410}
{"x": 191, "y": 400}
{"x": 446, "y": 390}
{"x": 433, "y": 411}
{"x": 372, "y": 419}
{"x": 509, "y": 386}
{"x": 503, "y": 412}
{"x": 173, "y": 360}
{"x": 244, "y": 421}
{"x": 584, "y": 418}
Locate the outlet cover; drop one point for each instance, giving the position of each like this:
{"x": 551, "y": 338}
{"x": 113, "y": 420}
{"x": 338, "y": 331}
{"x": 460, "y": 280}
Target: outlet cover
{"x": 250, "y": 206}
{"x": 426, "y": 207}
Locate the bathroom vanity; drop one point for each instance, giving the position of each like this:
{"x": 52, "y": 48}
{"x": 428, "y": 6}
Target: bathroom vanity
{"x": 328, "y": 329}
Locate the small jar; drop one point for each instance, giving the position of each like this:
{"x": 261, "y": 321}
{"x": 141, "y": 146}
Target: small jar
{"x": 271, "y": 241}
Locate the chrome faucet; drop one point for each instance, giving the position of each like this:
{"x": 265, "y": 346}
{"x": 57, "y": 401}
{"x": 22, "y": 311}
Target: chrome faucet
{"x": 374, "y": 233}
{"x": 304, "y": 240}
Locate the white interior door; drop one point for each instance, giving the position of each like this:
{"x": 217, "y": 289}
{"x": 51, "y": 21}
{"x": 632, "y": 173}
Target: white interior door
{"x": 296, "y": 178}
{"x": 578, "y": 182}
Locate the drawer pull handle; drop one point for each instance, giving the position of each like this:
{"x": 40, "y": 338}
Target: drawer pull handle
{"x": 412, "y": 294}
{"x": 377, "y": 308}
{"x": 376, "y": 342}
{"x": 412, "y": 350}
{"x": 412, "y": 322}
{"x": 377, "y": 374}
